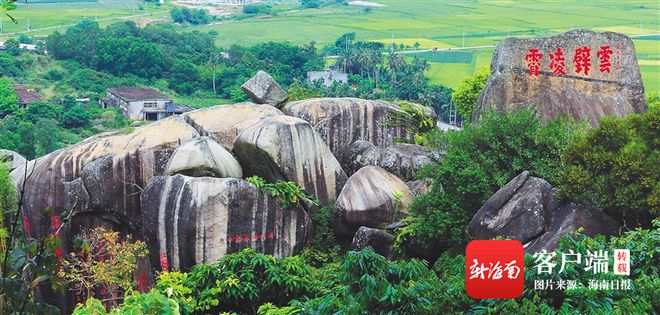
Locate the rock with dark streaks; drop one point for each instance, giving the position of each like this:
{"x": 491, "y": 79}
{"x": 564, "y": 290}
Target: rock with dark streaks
{"x": 194, "y": 220}
{"x": 263, "y": 89}
{"x": 342, "y": 121}
{"x": 284, "y": 148}
{"x": 577, "y": 93}
{"x": 373, "y": 198}
{"x": 381, "y": 242}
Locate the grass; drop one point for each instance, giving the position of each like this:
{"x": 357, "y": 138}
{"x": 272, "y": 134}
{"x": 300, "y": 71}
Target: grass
{"x": 44, "y": 17}
{"x": 443, "y": 25}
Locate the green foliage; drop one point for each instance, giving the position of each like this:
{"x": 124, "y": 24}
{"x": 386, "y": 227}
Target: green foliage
{"x": 466, "y": 94}
{"x": 615, "y": 167}
{"x": 417, "y": 120}
{"x": 288, "y": 193}
{"x": 369, "y": 284}
{"x": 241, "y": 282}
{"x": 13, "y": 47}
{"x": 324, "y": 248}
{"x": 173, "y": 284}
{"x": 480, "y": 159}
{"x": 298, "y": 91}
{"x": 450, "y": 270}
{"x": 8, "y": 98}
{"x": 151, "y": 303}
{"x": 192, "y": 16}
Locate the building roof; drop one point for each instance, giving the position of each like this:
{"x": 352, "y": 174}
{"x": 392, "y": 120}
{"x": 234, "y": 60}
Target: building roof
{"x": 27, "y": 97}
{"x": 328, "y": 77}
{"x": 130, "y": 94}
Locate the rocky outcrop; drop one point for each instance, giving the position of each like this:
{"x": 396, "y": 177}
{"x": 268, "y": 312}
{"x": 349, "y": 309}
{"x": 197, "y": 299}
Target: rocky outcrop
{"x": 223, "y": 123}
{"x": 567, "y": 219}
{"x": 113, "y": 169}
{"x": 526, "y": 209}
{"x": 203, "y": 157}
{"x": 12, "y": 159}
{"x": 402, "y": 160}
{"x": 342, "y": 121}
{"x": 372, "y": 197}
{"x": 284, "y": 148}
{"x": 381, "y": 242}
{"x": 263, "y": 89}
{"x": 517, "y": 210}
{"x": 193, "y": 220}
{"x": 514, "y": 84}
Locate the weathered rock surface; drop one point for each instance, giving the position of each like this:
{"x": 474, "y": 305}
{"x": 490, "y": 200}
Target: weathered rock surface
{"x": 12, "y": 159}
{"x": 263, "y": 89}
{"x": 193, "y": 220}
{"x": 381, "y": 242}
{"x": 517, "y": 210}
{"x": 402, "y": 160}
{"x": 569, "y": 218}
{"x": 203, "y": 157}
{"x": 224, "y": 123}
{"x": 342, "y": 121}
{"x": 287, "y": 148}
{"x": 372, "y": 197}
{"x": 420, "y": 186}
{"x": 526, "y": 209}
{"x": 615, "y": 93}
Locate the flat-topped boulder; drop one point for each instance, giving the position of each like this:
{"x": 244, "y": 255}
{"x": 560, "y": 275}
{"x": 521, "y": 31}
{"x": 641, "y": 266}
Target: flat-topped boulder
{"x": 223, "y": 123}
{"x": 580, "y": 74}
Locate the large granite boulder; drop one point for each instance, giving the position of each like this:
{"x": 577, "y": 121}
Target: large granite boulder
{"x": 526, "y": 209}
{"x": 519, "y": 79}
{"x": 223, "y": 123}
{"x": 517, "y": 210}
{"x": 193, "y": 220}
{"x": 567, "y": 219}
{"x": 402, "y": 160}
{"x": 263, "y": 89}
{"x": 284, "y": 148}
{"x": 372, "y": 197}
{"x": 381, "y": 242}
{"x": 203, "y": 157}
{"x": 342, "y": 121}
{"x": 105, "y": 173}
{"x": 12, "y": 159}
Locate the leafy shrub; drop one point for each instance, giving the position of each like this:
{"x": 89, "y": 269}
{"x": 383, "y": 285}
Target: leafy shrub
{"x": 151, "y": 303}
{"x": 615, "y": 167}
{"x": 416, "y": 120}
{"x": 239, "y": 282}
{"x": 466, "y": 94}
{"x": 324, "y": 247}
{"x": 480, "y": 159}
{"x": 288, "y": 193}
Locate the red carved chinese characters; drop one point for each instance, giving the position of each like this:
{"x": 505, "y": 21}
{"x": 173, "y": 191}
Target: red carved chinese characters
{"x": 604, "y": 56}
{"x": 164, "y": 263}
{"x": 558, "y": 62}
{"x": 533, "y": 59}
{"x": 582, "y": 60}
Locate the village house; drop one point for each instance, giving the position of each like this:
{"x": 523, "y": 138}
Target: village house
{"x": 327, "y": 77}
{"x": 142, "y": 103}
{"x": 27, "y": 96}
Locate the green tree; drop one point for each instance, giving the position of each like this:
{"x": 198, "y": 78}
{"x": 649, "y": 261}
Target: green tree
{"x": 12, "y": 46}
{"x": 615, "y": 167}
{"x": 8, "y": 98}
{"x": 47, "y": 136}
{"x": 466, "y": 94}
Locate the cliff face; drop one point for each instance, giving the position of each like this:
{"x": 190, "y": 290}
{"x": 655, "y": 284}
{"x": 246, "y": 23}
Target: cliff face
{"x": 580, "y": 74}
